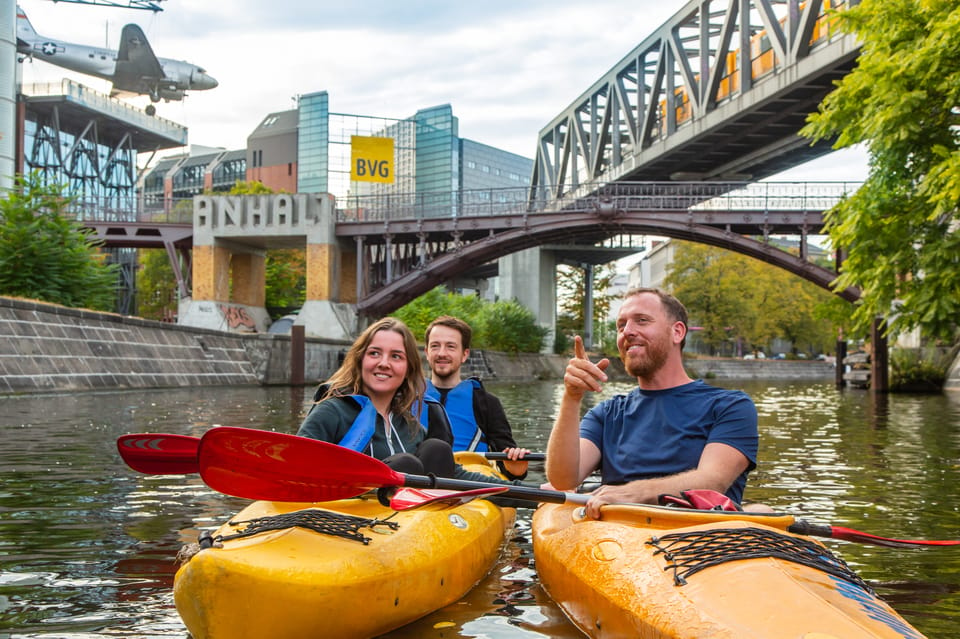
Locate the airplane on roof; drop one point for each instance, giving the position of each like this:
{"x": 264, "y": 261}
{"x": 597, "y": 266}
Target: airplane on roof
{"x": 133, "y": 70}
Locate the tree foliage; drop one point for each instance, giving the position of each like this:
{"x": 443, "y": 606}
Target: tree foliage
{"x": 501, "y": 326}
{"x": 732, "y": 297}
{"x": 156, "y": 285}
{"x": 47, "y": 255}
{"x": 571, "y": 296}
{"x": 901, "y": 228}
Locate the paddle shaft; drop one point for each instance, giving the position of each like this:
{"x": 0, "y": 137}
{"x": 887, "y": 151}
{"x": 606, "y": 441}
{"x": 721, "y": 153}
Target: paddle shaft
{"x": 527, "y": 457}
{"x": 525, "y": 493}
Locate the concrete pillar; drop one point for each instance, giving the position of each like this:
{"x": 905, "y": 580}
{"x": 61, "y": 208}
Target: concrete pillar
{"x": 348, "y": 277}
{"x": 249, "y": 276}
{"x": 322, "y": 272}
{"x": 588, "y": 306}
{"x": 211, "y": 273}
{"x": 8, "y": 92}
{"x": 879, "y": 359}
{"x": 529, "y": 277}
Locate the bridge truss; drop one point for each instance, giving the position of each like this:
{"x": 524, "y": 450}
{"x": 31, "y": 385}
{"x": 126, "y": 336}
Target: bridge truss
{"x": 718, "y": 92}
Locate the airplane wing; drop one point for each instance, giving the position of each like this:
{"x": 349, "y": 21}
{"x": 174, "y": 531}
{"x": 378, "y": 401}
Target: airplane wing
{"x": 138, "y": 69}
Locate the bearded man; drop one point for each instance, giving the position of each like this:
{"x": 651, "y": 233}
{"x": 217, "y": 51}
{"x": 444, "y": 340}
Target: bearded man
{"x": 670, "y": 434}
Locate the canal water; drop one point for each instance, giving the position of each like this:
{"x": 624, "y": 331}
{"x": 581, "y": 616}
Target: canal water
{"x": 87, "y": 546}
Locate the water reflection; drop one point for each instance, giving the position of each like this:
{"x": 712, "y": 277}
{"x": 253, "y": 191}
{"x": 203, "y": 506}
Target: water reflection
{"x": 88, "y": 545}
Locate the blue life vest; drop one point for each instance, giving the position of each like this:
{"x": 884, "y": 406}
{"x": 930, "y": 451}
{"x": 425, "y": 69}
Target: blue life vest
{"x": 459, "y": 406}
{"x": 363, "y": 427}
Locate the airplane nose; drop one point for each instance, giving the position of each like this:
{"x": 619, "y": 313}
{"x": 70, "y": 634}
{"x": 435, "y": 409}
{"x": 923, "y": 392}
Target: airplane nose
{"x": 208, "y": 82}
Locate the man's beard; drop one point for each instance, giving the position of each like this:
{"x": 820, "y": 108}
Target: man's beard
{"x": 446, "y": 373}
{"x": 652, "y": 359}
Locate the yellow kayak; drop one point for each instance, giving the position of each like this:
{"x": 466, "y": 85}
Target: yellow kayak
{"x": 347, "y": 568}
{"x": 654, "y": 572}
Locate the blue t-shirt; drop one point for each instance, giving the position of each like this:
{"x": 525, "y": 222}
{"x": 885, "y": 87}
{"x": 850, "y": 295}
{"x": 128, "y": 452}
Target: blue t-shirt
{"x": 646, "y": 434}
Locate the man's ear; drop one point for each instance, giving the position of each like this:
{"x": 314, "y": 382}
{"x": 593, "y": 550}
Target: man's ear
{"x": 466, "y": 354}
{"x": 679, "y": 332}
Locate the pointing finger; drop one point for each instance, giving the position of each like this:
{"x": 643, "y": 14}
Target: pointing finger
{"x": 578, "y": 350}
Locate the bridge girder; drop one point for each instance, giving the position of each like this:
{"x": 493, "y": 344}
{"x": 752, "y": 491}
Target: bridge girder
{"x": 567, "y": 227}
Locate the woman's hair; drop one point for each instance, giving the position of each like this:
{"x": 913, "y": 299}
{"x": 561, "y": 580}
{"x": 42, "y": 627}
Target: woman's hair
{"x": 349, "y": 381}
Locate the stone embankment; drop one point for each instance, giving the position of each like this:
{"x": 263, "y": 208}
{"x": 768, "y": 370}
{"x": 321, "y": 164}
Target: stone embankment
{"x": 50, "y": 348}
{"x": 45, "y": 347}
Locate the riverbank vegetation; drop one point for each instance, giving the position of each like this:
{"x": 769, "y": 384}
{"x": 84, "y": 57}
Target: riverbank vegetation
{"x": 505, "y": 326}
{"x": 901, "y": 229}
{"x": 920, "y": 370}
{"x": 48, "y": 256}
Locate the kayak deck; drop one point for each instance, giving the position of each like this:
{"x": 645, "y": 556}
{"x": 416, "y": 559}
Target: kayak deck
{"x": 653, "y": 572}
{"x": 369, "y": 571}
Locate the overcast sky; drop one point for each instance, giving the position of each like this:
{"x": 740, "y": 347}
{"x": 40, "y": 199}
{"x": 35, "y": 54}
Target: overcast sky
{"x": 507, "y": 67}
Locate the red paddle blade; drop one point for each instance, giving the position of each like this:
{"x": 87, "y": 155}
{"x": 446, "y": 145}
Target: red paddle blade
{"x": 258, "y": 464}
{"x": 160, "y": 453}
{"x": 409, "y": 498}
{"x": 849, "y": 534}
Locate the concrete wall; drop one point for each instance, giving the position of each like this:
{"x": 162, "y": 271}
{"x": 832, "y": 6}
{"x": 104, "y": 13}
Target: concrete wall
{"x": 488, "y": 365}
{"x": 773, "y": 369}
{"x": 45, "y": 347}
{"x": 953, "y": 376}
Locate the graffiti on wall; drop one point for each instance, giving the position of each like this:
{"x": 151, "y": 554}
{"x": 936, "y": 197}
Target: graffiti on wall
{"x": 237, "y": 318}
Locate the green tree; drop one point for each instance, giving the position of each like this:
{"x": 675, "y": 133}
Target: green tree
{"x": 156, "y": 285}
{"x": 501, "y": 326}
{"x": 510, "y": 327}
{"x": 46, "y": 255}
{"x": 711, "y": 282}
{"x": 736, "y": 298}
{"x": 901, "y": 101}
{"x": 571, "y": 295}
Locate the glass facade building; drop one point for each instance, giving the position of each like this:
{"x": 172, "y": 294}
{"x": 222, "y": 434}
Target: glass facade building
{"x": 431, "y": 162}
{"x": 313, "y": 133}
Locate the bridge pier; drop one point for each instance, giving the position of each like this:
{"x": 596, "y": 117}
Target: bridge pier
{"x": 529, "y": 276}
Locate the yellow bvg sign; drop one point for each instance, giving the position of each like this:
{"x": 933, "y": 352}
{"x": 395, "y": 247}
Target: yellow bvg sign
{"x": 371, "y": 159}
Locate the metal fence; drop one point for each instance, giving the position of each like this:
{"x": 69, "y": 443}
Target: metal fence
{"x": 616, "y": 196}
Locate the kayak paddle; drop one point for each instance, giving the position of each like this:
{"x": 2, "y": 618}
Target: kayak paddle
{"x": 258, "y": 464}
{"x": 410, "y": 498}
{"x": 168, "y": 454}
{"x": 802, "y": 527}
{"x": 160, "y": 453}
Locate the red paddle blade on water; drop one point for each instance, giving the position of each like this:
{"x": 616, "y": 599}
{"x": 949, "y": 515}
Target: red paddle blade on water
{"x": 160, "y": 453}
{"x": 257, "y": 464}
{"x": 410, "y": 498}
{"x": 849, "y": 534}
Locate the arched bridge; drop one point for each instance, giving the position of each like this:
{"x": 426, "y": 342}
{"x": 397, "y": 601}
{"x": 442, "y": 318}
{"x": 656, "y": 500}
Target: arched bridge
{"x": 406, "y": 251}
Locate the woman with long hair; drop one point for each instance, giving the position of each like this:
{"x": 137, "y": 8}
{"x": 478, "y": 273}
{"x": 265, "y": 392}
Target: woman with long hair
{"x": 372, "y": 401}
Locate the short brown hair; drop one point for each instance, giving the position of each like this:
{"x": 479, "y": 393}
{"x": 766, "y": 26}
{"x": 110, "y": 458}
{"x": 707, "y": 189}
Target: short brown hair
{"x": 456, "y": 324}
